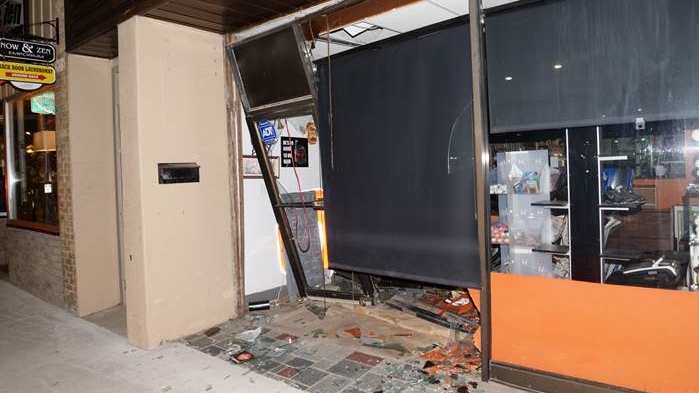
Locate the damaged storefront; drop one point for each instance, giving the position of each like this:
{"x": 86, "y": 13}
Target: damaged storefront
{"x": 505, "y": 191}
{"x": 544, "y": 156}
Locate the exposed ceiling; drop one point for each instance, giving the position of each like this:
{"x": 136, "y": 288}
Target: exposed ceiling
{"x": 349, "y": 27}
{"x": 395, "y": 21}
{"x": 92, "y": 24}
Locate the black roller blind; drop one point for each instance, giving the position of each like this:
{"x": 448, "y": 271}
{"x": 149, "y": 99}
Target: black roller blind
{"x": 398, "y": 159}
{"x": 619, "y": 59}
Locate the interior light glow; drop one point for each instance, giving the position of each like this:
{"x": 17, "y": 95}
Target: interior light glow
{"x": 695, "y": 135}
{"x": 557, "y": 66}
{"x": 508, "y": 78}
{"x": 323, "y": 240}
{"x": 280, "y": 250}
{"x": 321, "y": 231}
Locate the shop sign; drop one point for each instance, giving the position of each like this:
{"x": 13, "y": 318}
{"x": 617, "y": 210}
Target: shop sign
{"x": 9, "y": 71}
{"x": 44, "y": 104}
{"x": 267, "y": 132}
{"x": 27, "y": 50}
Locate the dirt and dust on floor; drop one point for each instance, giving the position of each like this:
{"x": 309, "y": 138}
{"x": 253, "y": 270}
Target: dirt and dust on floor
{"x": 321, "y": 346}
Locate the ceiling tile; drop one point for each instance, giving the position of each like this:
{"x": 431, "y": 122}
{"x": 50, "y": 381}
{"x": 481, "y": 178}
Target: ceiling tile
{"x": 459, "y": 7}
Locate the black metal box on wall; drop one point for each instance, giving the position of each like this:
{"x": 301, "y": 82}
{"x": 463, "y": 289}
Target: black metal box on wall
{"x": 398, "y": 160}
{"x": 187, "y": 172}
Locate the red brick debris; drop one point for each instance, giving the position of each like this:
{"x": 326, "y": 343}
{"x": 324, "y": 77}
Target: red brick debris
{"x": 450, "y": 361}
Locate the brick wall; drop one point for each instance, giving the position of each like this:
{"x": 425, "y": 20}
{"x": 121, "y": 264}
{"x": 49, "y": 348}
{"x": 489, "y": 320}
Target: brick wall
{"x": 65, "y": 195}
{"x": 36, "y": 263}
{"x": 43, "y": 264}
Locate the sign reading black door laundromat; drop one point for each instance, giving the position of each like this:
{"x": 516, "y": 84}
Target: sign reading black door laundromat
{"x": 27, "y": 50}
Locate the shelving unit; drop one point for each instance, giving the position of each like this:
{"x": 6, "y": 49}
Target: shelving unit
{"x": 553, "y": 249}
{"x": 551, "y": 204}
{"x": 610, "y": 256}
{"x": 528, "y": 215}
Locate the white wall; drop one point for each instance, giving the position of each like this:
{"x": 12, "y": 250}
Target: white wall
{"x": 262, "y": 270}
{"x": 90, "y": 110}
{"x": 178, "y": 239}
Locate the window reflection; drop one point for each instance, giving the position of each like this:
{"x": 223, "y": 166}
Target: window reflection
{"x": 33, "y": 191}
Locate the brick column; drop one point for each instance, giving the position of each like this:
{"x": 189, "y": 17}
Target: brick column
{"x": 65, "y": 205}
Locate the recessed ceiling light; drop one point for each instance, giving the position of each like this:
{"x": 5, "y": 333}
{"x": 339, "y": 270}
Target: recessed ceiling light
{"x": 508, "y": 78}
{"x": 558, "y": 66}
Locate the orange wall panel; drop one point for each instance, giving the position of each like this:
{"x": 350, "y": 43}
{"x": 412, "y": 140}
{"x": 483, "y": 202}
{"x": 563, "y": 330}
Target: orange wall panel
{"x": 637, "y": 338}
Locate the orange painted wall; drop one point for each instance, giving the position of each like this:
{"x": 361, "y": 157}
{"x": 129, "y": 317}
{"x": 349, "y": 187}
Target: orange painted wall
{"x": 637, "y": 338}
{"x": 669, "y": 192}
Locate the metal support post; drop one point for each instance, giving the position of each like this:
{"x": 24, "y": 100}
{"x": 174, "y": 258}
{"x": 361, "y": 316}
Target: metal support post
{"x": 292, "y": 252}
{"x": 480, "y": 139}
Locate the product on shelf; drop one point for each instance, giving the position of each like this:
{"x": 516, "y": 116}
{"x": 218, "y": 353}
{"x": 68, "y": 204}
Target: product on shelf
{"x": 527, "y": 184}
{"x": 498, "y": 188}
{"x": 622, "y": 197}
{"x": 499, "y": 233}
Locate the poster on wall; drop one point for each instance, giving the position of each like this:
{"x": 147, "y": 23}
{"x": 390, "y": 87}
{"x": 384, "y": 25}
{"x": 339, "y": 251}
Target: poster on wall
{"x": 294, "y": 152}
{"x": 251, "y": 167}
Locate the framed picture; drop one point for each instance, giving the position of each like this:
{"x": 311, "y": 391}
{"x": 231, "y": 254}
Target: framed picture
{"x": 251, "y": 168}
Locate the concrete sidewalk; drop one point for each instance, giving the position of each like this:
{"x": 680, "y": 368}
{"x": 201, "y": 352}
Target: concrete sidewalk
{"x": 43, "y": 349}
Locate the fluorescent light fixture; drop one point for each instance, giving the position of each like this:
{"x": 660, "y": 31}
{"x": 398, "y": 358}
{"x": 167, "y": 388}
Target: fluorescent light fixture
{"x": 508, "y": 78}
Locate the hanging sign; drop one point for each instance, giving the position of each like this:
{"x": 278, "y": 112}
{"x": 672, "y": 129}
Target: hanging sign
{"x": 27, "y": 50}
{"x": 9, "y": 71}
{"x": 25, "y": 86}
{"x": 267, "y": 132}
{"x": 44, "y": 104}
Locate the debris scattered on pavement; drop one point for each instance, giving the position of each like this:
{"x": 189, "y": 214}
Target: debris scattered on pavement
{"x": 242, "y": 357}
{"x": 316, "y": 309}
{"x": 212, "y": 331}
{"x": 355, "y": 331}
{"x": 249, "y": 335}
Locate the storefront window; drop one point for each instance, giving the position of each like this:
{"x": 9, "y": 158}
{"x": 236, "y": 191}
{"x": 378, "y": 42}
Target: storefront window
{"x": 595, "y": 141}
{"x": 32, "y": 169}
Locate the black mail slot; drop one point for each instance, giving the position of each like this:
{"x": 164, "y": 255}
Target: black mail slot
{"x": 183, "y": 172}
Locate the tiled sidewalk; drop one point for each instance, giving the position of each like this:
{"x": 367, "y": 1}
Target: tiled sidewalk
{"x": 317, "y": 356}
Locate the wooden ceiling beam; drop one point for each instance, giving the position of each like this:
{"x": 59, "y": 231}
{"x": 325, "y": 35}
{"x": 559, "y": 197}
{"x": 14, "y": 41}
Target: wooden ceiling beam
{"x": 351, "y": 14}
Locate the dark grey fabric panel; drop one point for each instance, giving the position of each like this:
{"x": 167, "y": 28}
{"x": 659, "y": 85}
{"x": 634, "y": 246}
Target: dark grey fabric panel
{"x": 398, "y": 160}
{"x": 620, "y": 59}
